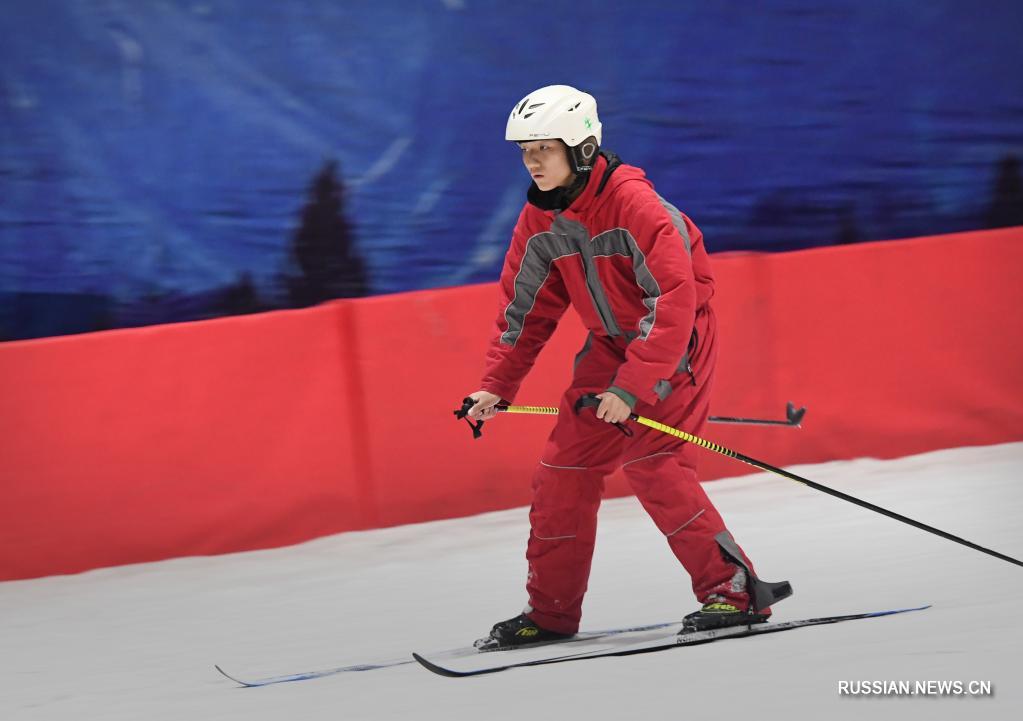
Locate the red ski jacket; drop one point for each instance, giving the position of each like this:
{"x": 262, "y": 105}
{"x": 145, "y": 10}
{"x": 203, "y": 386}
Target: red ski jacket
{"x": 632, "y": 264}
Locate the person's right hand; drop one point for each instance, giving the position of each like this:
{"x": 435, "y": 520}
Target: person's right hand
{"x": 484, "y": 409}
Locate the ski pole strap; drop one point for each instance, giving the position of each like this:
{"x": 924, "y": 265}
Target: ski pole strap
{"x": 463, "y": 412}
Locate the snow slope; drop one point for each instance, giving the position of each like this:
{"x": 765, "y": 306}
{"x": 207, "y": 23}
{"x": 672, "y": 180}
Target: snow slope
{"x": 139, "y": 642}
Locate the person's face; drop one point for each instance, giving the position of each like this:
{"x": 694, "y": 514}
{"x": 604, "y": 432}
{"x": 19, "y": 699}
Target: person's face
{"x": 547, "y": 163}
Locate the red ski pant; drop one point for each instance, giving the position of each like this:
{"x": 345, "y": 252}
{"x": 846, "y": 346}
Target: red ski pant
{"x": 661, "y": 470}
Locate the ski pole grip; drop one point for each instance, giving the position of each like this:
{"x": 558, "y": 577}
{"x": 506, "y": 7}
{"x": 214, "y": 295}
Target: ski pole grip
{"x": 590, "y": 400}
{"x": 467, "y": 404}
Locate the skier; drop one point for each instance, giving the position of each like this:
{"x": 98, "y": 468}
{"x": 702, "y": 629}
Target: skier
{"x": 595, "y": 234}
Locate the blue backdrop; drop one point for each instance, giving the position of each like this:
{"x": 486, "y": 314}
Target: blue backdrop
{"x": 154, "y": 154}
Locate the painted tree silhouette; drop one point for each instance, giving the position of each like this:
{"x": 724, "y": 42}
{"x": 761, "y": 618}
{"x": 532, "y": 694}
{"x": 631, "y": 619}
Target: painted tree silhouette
{"x": 322, "y": 247}
{"x": 239, "y": 298}
{"x": 1006, "y": 208}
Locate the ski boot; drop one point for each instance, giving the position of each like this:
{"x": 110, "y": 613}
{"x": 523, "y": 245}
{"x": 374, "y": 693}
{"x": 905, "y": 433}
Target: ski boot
{"x": 718, "y": 613}
{"x": 518, "y": 631}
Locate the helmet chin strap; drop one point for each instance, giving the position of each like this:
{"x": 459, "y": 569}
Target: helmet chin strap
{"x": 581, "y": 156}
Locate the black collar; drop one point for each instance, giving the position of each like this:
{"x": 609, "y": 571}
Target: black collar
{"x": 557, "y": 198}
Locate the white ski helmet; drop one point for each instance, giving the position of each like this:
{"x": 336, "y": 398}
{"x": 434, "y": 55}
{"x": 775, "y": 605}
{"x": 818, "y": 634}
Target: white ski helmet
{"x": 559, "y": 111}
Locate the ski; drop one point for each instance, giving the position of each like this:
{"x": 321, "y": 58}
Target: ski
{"x": 662, "y": 643}
{"x": 454, "y": 653}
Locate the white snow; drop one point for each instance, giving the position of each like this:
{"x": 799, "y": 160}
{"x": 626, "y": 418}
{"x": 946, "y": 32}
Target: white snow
{"x": 139, "y": 642}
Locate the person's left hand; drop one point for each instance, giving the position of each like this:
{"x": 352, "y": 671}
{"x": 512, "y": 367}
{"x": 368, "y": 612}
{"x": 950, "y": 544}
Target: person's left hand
{"x": 612, "y": 408}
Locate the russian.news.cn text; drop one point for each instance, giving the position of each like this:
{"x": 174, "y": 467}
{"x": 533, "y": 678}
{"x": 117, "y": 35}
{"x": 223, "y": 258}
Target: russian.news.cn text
{"x": 915, "y": 688}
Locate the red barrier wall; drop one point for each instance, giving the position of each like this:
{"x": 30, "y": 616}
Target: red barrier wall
{"x": 266, "y": 430}
{"x": 186, "y": 439}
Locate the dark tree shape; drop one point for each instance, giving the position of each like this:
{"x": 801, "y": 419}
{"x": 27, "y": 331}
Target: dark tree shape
{"x": 848, "y": 229}
{"x": 322, "y": 247}
{"x": 1006, "y": 207}
{"x": 240, "y": 298}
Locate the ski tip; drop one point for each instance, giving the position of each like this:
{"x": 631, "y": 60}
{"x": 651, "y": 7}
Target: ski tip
{"x": 902, "y": 610}
{"x": 229, "y": 676}
{"x": 440, "y": 670}
{"x": 222, "y": 671}
{"x": 430, "y": 666}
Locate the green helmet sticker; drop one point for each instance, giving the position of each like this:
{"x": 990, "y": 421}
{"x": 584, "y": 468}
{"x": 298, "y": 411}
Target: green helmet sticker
{"x": 588, "y": 123}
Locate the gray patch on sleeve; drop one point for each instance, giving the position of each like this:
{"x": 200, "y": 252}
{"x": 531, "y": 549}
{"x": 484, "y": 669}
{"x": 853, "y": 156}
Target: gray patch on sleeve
{"x": 679, "y": 222}
{"x": 541, "y": 252}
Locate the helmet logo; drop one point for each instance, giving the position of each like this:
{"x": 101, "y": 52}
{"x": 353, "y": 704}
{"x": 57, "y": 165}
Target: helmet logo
{"x": 588, "y": 123}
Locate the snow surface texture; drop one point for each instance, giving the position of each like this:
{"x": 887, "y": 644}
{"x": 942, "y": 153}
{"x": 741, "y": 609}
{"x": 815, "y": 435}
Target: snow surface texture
{"x": 139, "y": 642}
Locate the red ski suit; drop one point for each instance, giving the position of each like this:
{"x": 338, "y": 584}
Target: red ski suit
{"x": 636, "y": 270}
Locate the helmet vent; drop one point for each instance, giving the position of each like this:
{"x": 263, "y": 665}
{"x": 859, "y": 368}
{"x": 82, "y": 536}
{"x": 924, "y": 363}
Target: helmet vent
{"x": 526, "y": 115}
{"x": 536, "y": 105}
{"x": 523, "y": 105}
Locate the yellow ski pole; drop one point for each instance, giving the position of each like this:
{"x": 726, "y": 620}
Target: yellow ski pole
{"x": 591, "y": 400}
